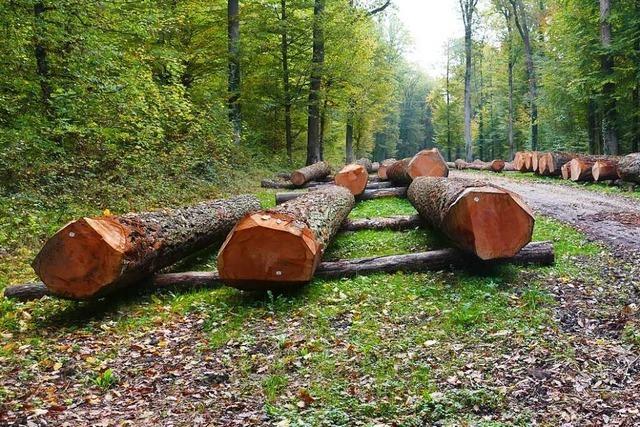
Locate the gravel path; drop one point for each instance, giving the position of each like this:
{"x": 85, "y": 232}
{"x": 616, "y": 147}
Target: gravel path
{"x": 607, "y": 218}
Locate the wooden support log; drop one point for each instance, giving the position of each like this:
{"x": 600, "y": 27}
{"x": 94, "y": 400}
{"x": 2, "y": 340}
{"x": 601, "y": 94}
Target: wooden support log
{"x": 480, "y": 218}
{"x": 310, "y": 173}
{"x": 536, "y": 253}
{"x": 629, "y": 167}
{"x": 565, "y": 171}
{"x": 368, "y": 194}
{"x": 605, "y": 169}
{"x": 354, "y": 178}
{"x": 384, "y": 165}
{"x": 396, "y": 223}
{"x": 398, "y": 172}
{"x": 496, "y": 165}
{"x": 92, "y": 257}
{"x": 427, "y": 163}
{"x": 366, "y": 163}
{"x": 281, "y": 247}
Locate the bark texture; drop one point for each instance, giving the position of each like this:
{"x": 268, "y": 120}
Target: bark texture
{"x": 398, "y": 172}
{"x": 366, "y": 163}
{"x": 368, "y": 194}
{"x": 91, "y": 257}
{"x": 396, "y": 223}
{"x": 629, "y": 167}
{"x": 480, "y": 218}
{"x": 312, "y": 172}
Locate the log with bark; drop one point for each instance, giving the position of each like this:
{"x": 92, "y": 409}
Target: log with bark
{"x": 565, "y": 170}
{"x": 91, "y": 257}
{"x": 537, "y": 253}
{"x": 629, "y": 167}
{"x": 310, "y": 173}
{"x": 451, "y": 165}
{"x": 366, "y": 163}
{"x": 353, "y": 177}
{"x": 605, "y": 169}
{"x": 509, "y": 167}
{"x": 384, "y": 165}
{"x": 374, "y": 167}
{"x": 478, "y": 217}
{"x": 582, "y": 167}
{"x": 398, "y": 172}
{"x": 550, "y": 164}
{"x": 427, "y": 163}
{"x": 396, "y": 223}
{"x": 286, "y": 184}
{"x": 368, "y": 194}
{"x": 281, "y": 247}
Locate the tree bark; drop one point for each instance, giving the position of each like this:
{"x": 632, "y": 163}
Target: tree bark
{"x": 309, "y": 173}
{"x": 467, "y": 8}
{"x": 366, "y": 163}
{"x": 354, "y": 178}
{"x": 281, "y": 247}
{"x": 398, "y": 172}
{"x": 233, "y": 34}
{"x": 368, "y": 194}
{"x": 384, "y": 165}
{"x": 313, "y": 117}
{"x": 609, "y": 117}
{"x": 480, "y": 218}
{"x": 40, "y": 51}
{"x": 396, "y": 223}
{"x": 92, "y": 257}
{"x": 349, "y": 141}
{"x": 605, "y": 169}
{"x": 374, "y": 167}
{"x": 288, "y": 133}
{"x": 629, "y": 167}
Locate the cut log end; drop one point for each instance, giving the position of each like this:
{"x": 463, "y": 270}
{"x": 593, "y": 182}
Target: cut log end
{"x": 268, "y": 248}
{"x": 494, "y": 223}
{"x": 428, "y": 163}
{"x": 605, "y": 170}
{"x": 298, "y": 178}
{"x": 353, "y": 177}
{"x": 83, "y": 257}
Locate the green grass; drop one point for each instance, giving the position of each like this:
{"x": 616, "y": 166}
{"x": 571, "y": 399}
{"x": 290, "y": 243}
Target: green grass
{"x": 384, "y": 207}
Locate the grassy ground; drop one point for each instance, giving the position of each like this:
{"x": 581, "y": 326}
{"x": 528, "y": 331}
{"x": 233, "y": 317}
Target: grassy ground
{"x": 411, "y": 349}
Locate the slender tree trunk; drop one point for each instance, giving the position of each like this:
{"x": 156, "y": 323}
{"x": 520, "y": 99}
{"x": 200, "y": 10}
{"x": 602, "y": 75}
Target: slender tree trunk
{"x": 349, "y": 141}
{"x": 288, "y": 134}
{"x": 467, "y": 8}
{"x": 313, "y": 118}
{"x": 233, "y": 33}
{"x": 507, "y": 16}
{"x": 609, "y": 131}
{"x": 323, "y": 124}
{"x": 635, "y": 144}
{"x": 592, "y": 119}
{"x": 448, "y": 104}
{"x": 42, "y": 63}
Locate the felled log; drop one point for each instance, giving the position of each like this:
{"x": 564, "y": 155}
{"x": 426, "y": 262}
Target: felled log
{"x": 396, "y": 223}
{"x": 353, "y": 177}
{"x": 565, "y": 171}
{"x": 310, "y": 173}
{"x": 480, "y": 218}
{"x": 538, "y": 253}
{"x": 522, "y": 161}
{"x": 451, "y": 165}
{"x": 605, "y": 169}
{"x": 508, "y": 167}
{"x": 550, "y": 164}
{"x": 398, "y": 172}
{"x": 629, "y": 167}
{"x": 535, "y": 160}
{"x": 374, "y": 167}
{"x": 427, "y": 163}
{"x": 92, "y": 257}
{"x": 281, "y": 247}
{"x": 528, "y": 160}
{"x": 366, "y": 163}
{"x": 384, "y": 165}
{"x": 368, "y": 194}
{"x": 460, "y": 164}
{"x": 497, "y": 165}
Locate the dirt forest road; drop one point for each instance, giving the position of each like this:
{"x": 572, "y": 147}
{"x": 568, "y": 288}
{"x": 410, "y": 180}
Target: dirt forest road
{"x": 610, "y": 219}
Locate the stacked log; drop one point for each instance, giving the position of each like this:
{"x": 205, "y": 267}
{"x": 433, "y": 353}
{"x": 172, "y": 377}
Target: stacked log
{"x": 480, "y": 218}
{"x": 494, "y": 165}
{"x": 353, "y": 177}
{"x": 368, "y": 194}
{"x": 366, "y": 163}
{"x": 565, "y": 170}
{"x": 398, "y": 172}
{"x": 528, "y": 160}
{"x": 428, "y": 163}
{"x": 92, "y": 257}
{"x": 509, "y": 167}
{"x": 312, "y": 172}
{"x": 281, "y": 247}
{"x": 384, "y": 165}
{"x": 374, "y": 167}
{"x": 550, "y": 164}
{"x": 629, "y": 167}
{"x": 582, "y": 166}
{"x": 522, "y": 161}
{"x": 535, "y": 161}
{"x": 605, "y": 169}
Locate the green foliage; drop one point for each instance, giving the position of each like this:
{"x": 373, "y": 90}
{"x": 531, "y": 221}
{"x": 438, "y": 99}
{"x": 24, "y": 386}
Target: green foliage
{"x": 105, "y": 380}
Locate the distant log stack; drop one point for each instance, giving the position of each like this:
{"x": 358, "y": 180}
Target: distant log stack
{"x": 428, "y": 163}
{"x": 281, "y": 247}
{"x": 480, "y": 218}
{"x": 91, "y": 257}
{"x": 384, "y": 165}
{"x": 353, "y": 177}
{"x": 366, "y": 163}
{"x": 605, "y": 169}
{"x": 398, "y": 172}
{"x": 550, "y": 164}
{"x": 629, "y": 167}
{"x": 460, "y": 164}
{"x": 312, "y": 172}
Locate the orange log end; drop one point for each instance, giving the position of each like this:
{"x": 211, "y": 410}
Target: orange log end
{"x": 268, "y": 251}
{"x": 354, "y": 178}
{"x": 298, "y": 178}
{"x": 428, "y": 163}
{"x": 565, "y": 170}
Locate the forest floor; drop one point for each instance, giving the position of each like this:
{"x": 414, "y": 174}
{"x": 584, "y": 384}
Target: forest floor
{"x": 509, "y": 345}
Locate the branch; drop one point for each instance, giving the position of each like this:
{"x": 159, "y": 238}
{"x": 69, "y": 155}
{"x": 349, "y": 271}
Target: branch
{"x": 379, "y": 9}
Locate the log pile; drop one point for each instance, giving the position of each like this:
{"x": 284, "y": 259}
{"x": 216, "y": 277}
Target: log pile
{"x": 550, "y": 164}
{"x": 480, "y": 218}
{"x": 493, "y": 166}
{"x": 605, "y": 169}
{"x": 92, "y": 257}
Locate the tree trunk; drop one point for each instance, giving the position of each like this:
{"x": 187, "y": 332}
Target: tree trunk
{"x": 354, "y": 178}
{"x": 309, "y": 173}
{"x": 288, "y": 133}
{"x": 609, "y": 127}
{"x": 581, "y": 167}
{"x": 374, "y": 167}
{"x": 233, "y": 34}
{"x": 281, "y": 247}
{"x": 428, "y": 163}
{"x": 91, "y": 257}
{"x": 396, "y": 223}
{"x": 510, "y": 138}
{"x": 349, "y": 142}
{"x": 605, "y": 169}
{"x": 535, "y": 159}
{"x": 315, "y": 86}
{"x": 398, "y": 172}
{"x": 467, "y": 7}
{"x": 629, "y": 167}
{"x": 522, "y": 161}
{"x": 550, "y": 164}
{"x": 384, "y": 165}
{"x": 480, "y": 218}
{"x": 368, "y": 194}
{"x": 42, "y": 63}
{"x": 366, "y": 163}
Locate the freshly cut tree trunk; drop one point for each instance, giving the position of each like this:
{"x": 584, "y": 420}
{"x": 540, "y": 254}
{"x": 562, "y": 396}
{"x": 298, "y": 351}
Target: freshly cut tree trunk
{"x": 368, "y": 194}
{"x": 480, "y": 218}
{"x": 384, "y": 165}
{"x": 398, "y": 172}
{"x": 310, "y": 173}
{"x": 366, "y": 163}
{"x": 396, "y": 223}
{"x": 374, "y": 167}
{"x": 522, "y": 161}
{"x": 605, "y": 169}
{"x": 538, "y": 253}
{"x": 565, "y": 171}
{"x": 528, "y": 161}
{"x": 91, "y": 257}
{"x": 428, "y": 163}
{"x": 629, "y": 167}
{"x": 550, "y": 164}
{"x": 535, "y": 160}
{"x": 353, "y": 177}
{"x": 497, "y": 165}
{"x": 281, "y": 247}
